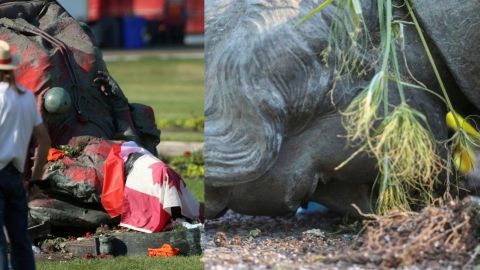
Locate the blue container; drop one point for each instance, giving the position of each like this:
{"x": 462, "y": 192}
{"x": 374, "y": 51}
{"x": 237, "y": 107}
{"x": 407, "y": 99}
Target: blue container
{"x": 133, "y": 30}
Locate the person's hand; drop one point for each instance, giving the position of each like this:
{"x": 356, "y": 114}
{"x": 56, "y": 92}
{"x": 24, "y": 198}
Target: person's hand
{"x": 106, "y": 84}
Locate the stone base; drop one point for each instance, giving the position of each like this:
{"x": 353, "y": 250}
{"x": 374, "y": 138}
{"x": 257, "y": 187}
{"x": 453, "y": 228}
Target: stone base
{"x": 39, "y": 231}
{"x": 136, "y": 243}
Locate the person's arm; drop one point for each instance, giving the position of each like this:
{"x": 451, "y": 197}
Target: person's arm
{"x": 43, "y": 139}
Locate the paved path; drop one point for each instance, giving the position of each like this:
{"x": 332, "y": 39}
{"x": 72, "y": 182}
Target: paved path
{"x": 169, "y": 148}
{"x": 157, "y": 53}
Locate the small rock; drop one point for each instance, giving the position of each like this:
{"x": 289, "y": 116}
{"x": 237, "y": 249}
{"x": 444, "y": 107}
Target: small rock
{"x": 220, "y": 239}
{"x": 104, "y": 228}
{"x": 36, "y": 250}
{"x": 53, "y": 245}
{"x": 254, "y": 233}
{"x": 303, "y": 248}
{"x": 236, "y": 240}
{"x": 314, "y": 232}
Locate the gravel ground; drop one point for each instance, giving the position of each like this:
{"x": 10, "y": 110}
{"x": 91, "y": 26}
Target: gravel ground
{"x": 237, "y": 241}
{"x": 312, "y": 241}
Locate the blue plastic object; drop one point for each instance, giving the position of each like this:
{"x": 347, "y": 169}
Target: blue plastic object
{"x": 312, "y": 208}
{"x": 133, "y": 29}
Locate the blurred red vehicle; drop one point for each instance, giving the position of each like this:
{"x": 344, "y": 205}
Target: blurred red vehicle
{"x": 152, "y": 21}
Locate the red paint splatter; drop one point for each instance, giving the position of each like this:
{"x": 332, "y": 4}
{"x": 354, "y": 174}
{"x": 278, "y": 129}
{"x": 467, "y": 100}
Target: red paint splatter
{"x": 68, "y": 161}
{"x": 5, "y": 37}
{"x": 101, "y": 149}
{"x": 162, "y": 173}
{"x": 87, "y": 256}
{"x": 33, "y": 69}
{"x": 85, "y": 61}
{"x": 82, "y": 174}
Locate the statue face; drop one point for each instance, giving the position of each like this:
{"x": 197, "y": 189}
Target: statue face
{"x": 273, "y": 127}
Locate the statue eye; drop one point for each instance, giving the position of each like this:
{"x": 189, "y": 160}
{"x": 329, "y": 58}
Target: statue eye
{"x": 57, "y": 100}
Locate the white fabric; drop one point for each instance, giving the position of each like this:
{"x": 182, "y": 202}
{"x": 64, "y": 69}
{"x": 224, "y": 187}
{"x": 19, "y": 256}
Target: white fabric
{"x": 18, "y": 117}
{"x": 131, "y": 147}
{"x": 151, "y": 190}
{"x": 140, "y": 179}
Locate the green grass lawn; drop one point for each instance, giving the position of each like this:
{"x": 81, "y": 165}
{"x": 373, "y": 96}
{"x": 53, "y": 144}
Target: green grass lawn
{"x": 125, "y": 263}
{"x": 174, "y": 88}
{"x": 197, "y": 188}
{"x": 183, "y": 136}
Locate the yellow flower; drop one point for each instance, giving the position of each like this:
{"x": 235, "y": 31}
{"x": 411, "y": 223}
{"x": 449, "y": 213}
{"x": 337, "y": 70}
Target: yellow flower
{"x": 464, "y": 159}
{"x": 469, "y": 129}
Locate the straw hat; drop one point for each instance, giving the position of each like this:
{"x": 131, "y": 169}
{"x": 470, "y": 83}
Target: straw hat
{"x": 6, "y": 60}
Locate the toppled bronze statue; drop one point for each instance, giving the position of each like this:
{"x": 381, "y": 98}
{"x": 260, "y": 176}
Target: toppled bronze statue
{"x": 80, "y": 103}
{"x": 274, "y": 132}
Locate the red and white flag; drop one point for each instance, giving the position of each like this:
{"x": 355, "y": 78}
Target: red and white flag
{"x": 151, "y": 189}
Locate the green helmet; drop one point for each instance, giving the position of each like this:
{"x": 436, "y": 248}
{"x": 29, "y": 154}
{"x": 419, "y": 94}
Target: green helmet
{"x": 57, "y": 100}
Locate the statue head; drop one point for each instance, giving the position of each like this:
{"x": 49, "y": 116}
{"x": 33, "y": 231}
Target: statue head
{"x": 274, "y": 133}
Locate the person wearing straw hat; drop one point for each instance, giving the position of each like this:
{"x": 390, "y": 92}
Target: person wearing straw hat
{"x": 19, "y": 119}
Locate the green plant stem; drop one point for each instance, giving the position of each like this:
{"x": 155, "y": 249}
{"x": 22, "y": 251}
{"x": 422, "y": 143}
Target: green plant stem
{"x": 313, "y": 12}
{"x": 397, "y": 74}
{"x": 385, "y": 40}
{"x": 380, "y": 19}
{"x": 385, "y": 174}
{"x": 432, "y": 61}
{"x": 386, "y": 45}
{"x": 423, "y": 89}
{"x": 388, "y": 38}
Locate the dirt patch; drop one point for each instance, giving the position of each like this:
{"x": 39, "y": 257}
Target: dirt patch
{"x": 244, "y": 242}
{"x": 437, "y": 238}
{"x": 447, "y": 232}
